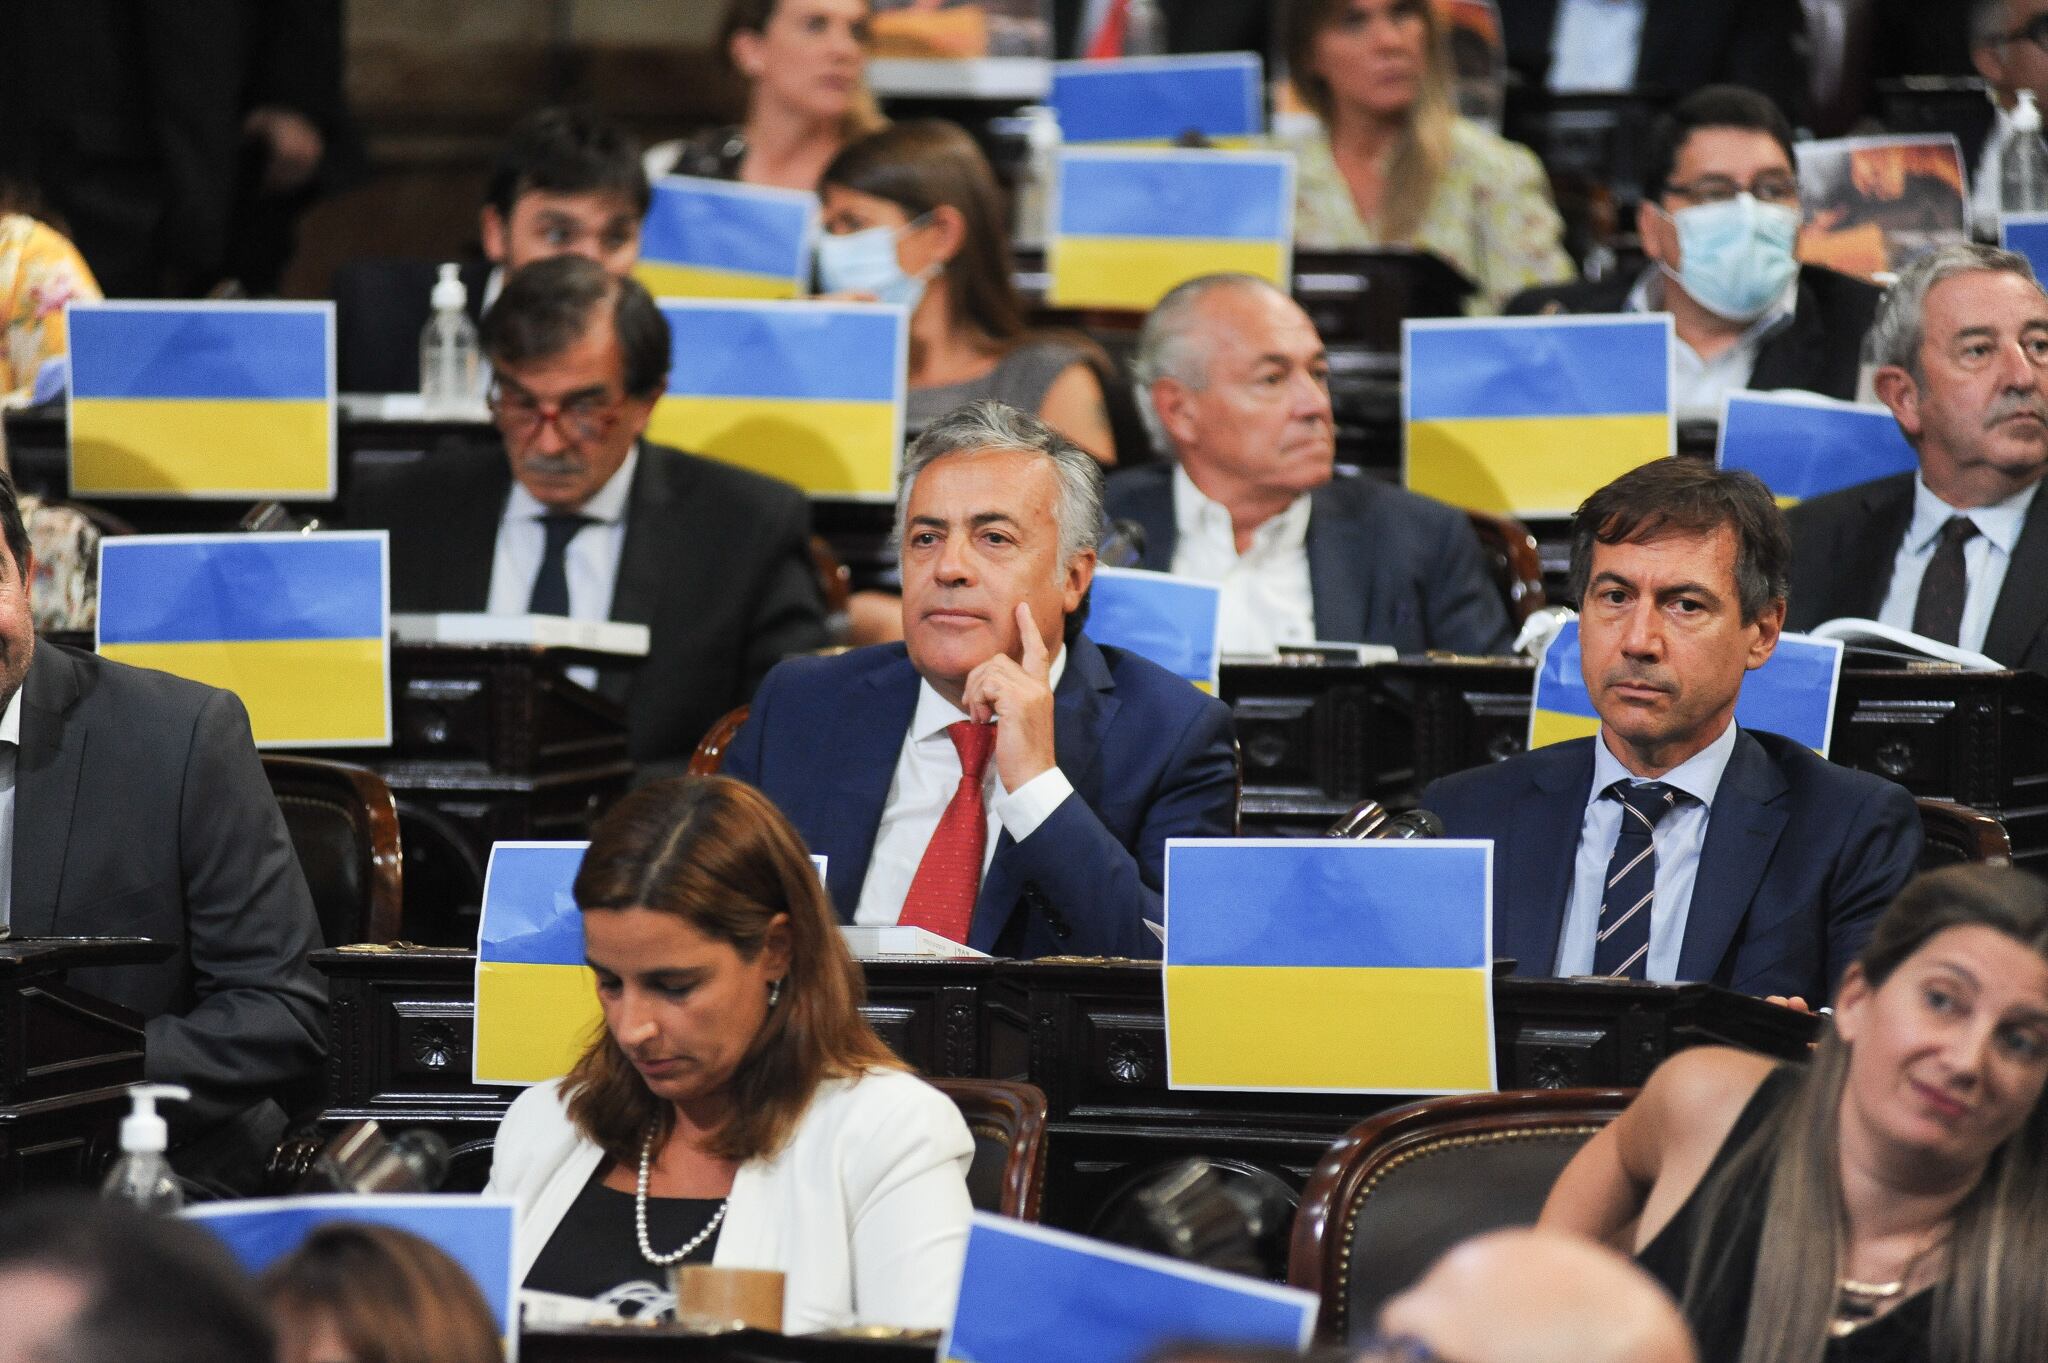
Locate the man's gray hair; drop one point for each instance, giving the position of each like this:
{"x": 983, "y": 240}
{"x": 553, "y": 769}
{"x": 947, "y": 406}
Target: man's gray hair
{"x": 992, "y": 425}
{"x": 1898, "y": 330}
{"x": 1172, "y": 346}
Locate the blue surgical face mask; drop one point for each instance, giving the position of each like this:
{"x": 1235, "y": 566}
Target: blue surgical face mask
{"x": 1735, "y": 257}
{"x": 865, "y": 262}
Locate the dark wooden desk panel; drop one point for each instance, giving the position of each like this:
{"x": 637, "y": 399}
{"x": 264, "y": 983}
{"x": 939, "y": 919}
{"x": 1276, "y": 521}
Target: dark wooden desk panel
{"x": 633, "y": 1344}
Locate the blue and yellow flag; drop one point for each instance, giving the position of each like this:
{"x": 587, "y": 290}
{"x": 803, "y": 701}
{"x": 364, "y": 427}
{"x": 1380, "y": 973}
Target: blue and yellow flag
{"x": 1161, "y": 100}
{"x": 298, "y": 626}
{"x": 2026, "y": 233}
{"x": 1162, "y": 618}
{"x": 536, "y": 1000}
{"x": 1093, "y": 1302}
{"x": 1382, "y": 949}
{"x": 1803, "y": 445}
{"x": 218, "y": 401}
{"x": 1793, "y": 694}
{"x": 478, "y": 1233}
{"x": 1528, "y": 416}
{"x": 1129, "y": 225}
{"x": 809, "y": 392}
{"x": 719, "y": 239}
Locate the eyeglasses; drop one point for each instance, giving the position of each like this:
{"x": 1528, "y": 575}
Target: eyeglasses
{"x": 2035, "y": 31}
{"x": 1771, "y": 187}
{"x": 581, "y": 421}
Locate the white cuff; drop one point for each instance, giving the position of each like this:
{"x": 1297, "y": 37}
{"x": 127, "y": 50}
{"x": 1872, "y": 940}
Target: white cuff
{"x": 1022, "y": 810}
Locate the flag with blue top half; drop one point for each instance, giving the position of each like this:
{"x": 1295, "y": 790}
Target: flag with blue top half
{"x": 1161, "y": 99}
{"x": 1792, "y": 695}
{"x": 1528, "y": 416}
{"x": 719, "y": 239}
{"x": 1382, "y": 949}
{"x": 1804, "y": 445}
{"x": 536, "y": 999}
{"x": 1162, "y": 618}
{"x": 478, "y": 1233}
{"x": 214, "y": 401}
{"x": 1129, "y": 225}
{"x": 298, "y": 626}
{"x": 1033, "y": 1295}
{"x": 809, "y": 392}
{"x": 2027, "y": 234}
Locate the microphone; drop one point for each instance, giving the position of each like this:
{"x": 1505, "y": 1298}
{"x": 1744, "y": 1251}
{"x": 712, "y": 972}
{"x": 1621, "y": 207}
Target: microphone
{"x": 1122, "y": 544}
{"x": 361, "y": 1159}
{"x": 1361, "y": 821}
{"x": 1415, "y": 823}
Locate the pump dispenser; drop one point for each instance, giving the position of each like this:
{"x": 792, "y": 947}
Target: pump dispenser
{"x": 450, "y": 362}
{"x": 142, "y": 1177}
{"x": 2023, "y": 164}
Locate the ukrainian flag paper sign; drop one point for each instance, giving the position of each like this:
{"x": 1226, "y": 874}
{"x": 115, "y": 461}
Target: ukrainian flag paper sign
{"x": 808, "y": 392}
{"x": 1160, "y": 100}
{"x": 1793, "y": 694}
{"x": 1162, "y": 618}
{"x": 1129, "y": 225}
{"x": 2026, "y": 233}
{"x": 1308, "y": 965}
{"x": 217, "y": 401}
{"x": 719, "y": 239}
{"x": 536, "y": 1000}
{"x": 1527, "y": 416}
{"x": 1033, "y": 1295}
{"x": 298, "y": 626}
{"x": 1803, "y": 445}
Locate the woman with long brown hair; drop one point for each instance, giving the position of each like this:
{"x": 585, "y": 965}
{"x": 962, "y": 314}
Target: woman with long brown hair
{"x": 1889, "y": 1199}
{"x": 736, "y": 1108}
{"x": 1391, "y": 161}
{"x": 360, "y": 1293}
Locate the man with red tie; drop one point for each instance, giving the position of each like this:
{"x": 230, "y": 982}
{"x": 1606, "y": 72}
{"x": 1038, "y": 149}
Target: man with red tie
{"x": 996, "y": 778}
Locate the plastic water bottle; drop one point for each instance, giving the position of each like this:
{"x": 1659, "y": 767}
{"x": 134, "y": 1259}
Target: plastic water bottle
{"x": 142, "y": 1177}
{"x": 450, "y": 363}
{"x": 1144, "y": 30}
{"x": 1032, "y": 202}
{"x": 2023, "y": 162}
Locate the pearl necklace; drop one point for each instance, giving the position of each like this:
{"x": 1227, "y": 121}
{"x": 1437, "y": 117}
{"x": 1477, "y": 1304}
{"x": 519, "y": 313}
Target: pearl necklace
{"x": 640, "y": 1213}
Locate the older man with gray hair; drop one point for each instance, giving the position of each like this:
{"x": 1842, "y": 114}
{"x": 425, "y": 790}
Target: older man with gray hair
{"x": 995, "y": 778}
{"x": 1953, "y": 551}
{"x": 1234, "y": 384}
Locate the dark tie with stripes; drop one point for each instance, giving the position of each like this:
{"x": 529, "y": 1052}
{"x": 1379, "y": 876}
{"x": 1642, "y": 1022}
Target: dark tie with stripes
{"x": 1945, "y": 586}
{"x": 1623, "y": 947}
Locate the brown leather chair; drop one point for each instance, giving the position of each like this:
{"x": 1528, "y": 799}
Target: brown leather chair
{"x": 344, "y": 826}
{"x": 1957, "y": 834}
{"x": 1517, "y": 566}
{"x": 1008, "y": 1121}
{"x": 1401, "y": 1188}
{"x": 709, "y": 758}
{"x": 835, "y": 579}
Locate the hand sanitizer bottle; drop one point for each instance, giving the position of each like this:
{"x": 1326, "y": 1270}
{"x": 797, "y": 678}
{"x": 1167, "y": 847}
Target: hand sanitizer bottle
{"x": 142, "y": 1177}
{"x": 449, "y": 358}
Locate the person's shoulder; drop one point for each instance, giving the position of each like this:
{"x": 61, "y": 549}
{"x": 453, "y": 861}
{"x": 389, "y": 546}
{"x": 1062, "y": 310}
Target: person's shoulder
{"x": 1499, "y": 163}
{"x": 1852, "y": 501}
{"x": 536, "y": 1127}
{"x": 1840, "y": 293}
{"x": 1711, "y": 1081}
{"x": 723, "y": 485}
{"x": 1494, "y": 778}
{"x": 1361, "y": 494}
{"x": 454, "y": 468}
{"x": 883, "y": 1106}
{"x": 1817, "y": 780}
{"x": 806, "y": 672}
{"x": 1162, "y": 696}
{"x": 1125, "y": 484}
{"x": 1567, "y": 300}
{"x": 166, "y": 702}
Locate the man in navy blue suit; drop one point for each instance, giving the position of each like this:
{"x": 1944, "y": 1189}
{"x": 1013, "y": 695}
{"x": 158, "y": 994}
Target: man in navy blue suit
{"x": 1675, "y": 845}
{"x": 997, "y": 777}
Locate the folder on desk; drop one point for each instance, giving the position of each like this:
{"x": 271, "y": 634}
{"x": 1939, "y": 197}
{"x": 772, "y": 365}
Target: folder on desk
{"x": 536, "y": 1000}
{"x": 720, "y": 239}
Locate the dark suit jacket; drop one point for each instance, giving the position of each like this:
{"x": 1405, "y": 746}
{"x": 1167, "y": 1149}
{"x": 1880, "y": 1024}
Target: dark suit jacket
{"x": 716, "y": 563}
{"x": 1843, "y": 545}
{"x": 1685, "y": 44}
{"x": 1191, "y": 26}
{"x": 141, "y": 810}
{"x": 1801, "y": 857}
{"x": 1820, "y": 351}
{"x": 1149, "y": 756}
{"x": 1385, "y": 565}
{"x": 380, "y": 309}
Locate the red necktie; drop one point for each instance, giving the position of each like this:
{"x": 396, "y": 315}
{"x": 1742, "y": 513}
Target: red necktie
{"x": 942, "y": 893}
{"x": 1109, "y": 39}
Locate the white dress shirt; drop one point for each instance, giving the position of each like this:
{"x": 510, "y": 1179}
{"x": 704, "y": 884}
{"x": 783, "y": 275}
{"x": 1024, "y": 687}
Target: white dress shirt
{"x": 1986, "y": 555}
{"x": 1700, "y": 387}
{"x": 10, "y": 745}
{"x": 591, "y": 559}
{"x": 1677, "y": 839}
{"x": 927, "y": 774}
{"x": 1267, "y": 597}
{"x": 1595, "y": 45}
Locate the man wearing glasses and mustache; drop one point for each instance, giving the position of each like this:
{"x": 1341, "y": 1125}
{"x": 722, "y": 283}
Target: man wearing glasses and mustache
{"x": 579, "y": 516}
{"x": 1958, "y": 550}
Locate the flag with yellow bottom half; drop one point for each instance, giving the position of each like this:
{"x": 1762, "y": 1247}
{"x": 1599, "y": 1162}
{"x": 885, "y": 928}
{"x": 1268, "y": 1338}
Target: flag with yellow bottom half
{"x": 536, "y": 999}
{"x": 719, "y": 239}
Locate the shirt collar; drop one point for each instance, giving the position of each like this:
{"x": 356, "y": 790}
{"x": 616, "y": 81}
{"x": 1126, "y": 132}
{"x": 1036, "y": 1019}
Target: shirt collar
{"x": 494, "y": 284}
{"x": 1198, "y": 516}
{"x": 1648, "y": 296}
{"x": 10, "y": 720}
{"x": 2001, "y": 522}
{"x": 607, "y": 506}
{"x": 1698, "y": 776}
{"x": 935, "y": 712}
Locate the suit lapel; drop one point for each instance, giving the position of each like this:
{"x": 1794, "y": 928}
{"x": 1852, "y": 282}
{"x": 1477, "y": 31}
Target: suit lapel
{"x": 1864, "y": 547}
{"x": 1534, "y": 883}
{"x": 1341, "y": 569}
{"x": 1742, "y": 832}
{"x": 45, "y": 789}
{"x": 2022, "y": 609}
{"x": 858, "y": 766}
{"x": 651, "y": 520}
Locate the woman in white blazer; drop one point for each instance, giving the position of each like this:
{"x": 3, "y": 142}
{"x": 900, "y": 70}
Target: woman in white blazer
{"x": 736, "y": 1109}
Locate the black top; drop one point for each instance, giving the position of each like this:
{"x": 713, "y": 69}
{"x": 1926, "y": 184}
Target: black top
{"x": 1719, "y": 1318}
{"x": 714, "y": 154}
{"x": 595, "y": 1250}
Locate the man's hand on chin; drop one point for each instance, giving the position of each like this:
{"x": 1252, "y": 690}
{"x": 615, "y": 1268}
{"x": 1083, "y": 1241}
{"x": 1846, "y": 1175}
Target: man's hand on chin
{"x": 1019, "y": 695}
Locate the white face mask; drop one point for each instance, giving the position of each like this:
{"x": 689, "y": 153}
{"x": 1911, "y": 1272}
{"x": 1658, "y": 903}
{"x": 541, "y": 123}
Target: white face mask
{"x": 865, "y": 262}
{"x": 1735, "y": 257}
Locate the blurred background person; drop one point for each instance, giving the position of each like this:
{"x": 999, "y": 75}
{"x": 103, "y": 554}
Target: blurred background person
{"x": 40, "y": 272}
{"x": 376, "y": 1294}
{"x": 1393, "y": 163}
{"x": 805, "y": 67}
{"x": 736, "y": 1108}
{"x": 1882, "y": 1202}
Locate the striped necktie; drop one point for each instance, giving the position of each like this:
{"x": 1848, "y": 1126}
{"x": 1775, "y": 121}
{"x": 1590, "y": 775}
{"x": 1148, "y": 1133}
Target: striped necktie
{"x": 1623, "y": 947}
